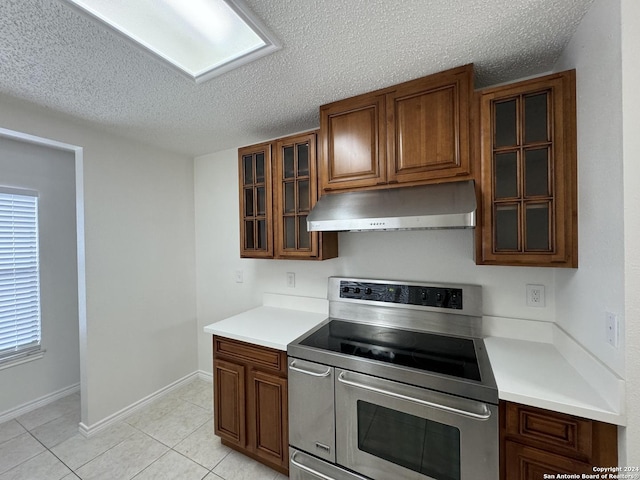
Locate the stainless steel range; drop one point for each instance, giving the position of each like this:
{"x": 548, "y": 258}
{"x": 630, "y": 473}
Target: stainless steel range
{"x": 395, "y": 384}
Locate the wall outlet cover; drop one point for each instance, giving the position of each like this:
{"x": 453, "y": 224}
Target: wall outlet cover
{"x": 535, "y": 296}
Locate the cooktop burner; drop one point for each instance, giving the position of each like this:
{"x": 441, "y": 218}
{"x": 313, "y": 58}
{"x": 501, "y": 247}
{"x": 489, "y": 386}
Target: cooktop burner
{"x": 424, "y": 351}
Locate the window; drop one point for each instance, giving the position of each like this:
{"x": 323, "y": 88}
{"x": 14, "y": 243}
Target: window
{"x": 19, "y": 275}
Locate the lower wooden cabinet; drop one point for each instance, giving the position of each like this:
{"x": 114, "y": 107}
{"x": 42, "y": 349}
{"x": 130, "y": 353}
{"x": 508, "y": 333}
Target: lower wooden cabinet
{"x": 250, "y": 400}
{"x": 535, "y": 442}
{"x": 230, "y": 400}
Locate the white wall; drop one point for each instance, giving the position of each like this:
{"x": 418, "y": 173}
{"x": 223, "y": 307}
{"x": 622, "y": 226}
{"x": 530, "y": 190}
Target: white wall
{"x": 631, "y": 154}
{"x": 51, "y": 172}
{"x": 140, "y": 274}
{"x": 437, "y": 255}
{"x": 597, "y": 286}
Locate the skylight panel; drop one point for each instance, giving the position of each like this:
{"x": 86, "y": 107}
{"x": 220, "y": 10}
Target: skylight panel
{"x": 201, "y": 38}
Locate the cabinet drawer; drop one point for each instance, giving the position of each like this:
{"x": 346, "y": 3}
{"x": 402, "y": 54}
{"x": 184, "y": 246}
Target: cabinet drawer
{"x": 266, "y": 358}
{"x": 528, "y": 463}
{"x": 557, "y": 432}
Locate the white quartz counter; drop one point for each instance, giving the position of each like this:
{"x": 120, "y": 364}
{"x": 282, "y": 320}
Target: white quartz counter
{"x": 273, "y": 325}
{"x": 553, "y": 374}
{"x": 534, "y": 363}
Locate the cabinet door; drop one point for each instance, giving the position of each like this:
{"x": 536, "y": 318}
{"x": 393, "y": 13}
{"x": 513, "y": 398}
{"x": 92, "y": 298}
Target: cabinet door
{"x": 428, "y": 127}
{"x": 352, "y": 139}
{"x": 256, "y": 233}
{"x": 528, "y": 173}
{"x": 295, "y": 193}
{"x": 526, "y": 463}
{"x": 229, "y": 401}
{"x": 268, "y": 417}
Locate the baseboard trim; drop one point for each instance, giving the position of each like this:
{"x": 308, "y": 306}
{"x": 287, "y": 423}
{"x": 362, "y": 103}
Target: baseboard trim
{"x": 90, "y": 430}
{"x": 39, "y": 402}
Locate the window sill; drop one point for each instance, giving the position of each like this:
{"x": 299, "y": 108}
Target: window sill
{"x": 12, "y": 362}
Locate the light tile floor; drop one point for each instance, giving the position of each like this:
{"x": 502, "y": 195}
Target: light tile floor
{"x": 171, "y": 438}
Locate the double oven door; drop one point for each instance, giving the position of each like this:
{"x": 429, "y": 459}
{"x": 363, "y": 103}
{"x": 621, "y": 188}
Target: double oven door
{"x": 385, "y": 429}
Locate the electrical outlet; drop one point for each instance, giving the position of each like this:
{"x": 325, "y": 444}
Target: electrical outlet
{"x": 535, "y": 296}
{"x": 291, "y": 279}
{"x": 612, "y": 326}
{"x": 239, "y": 276}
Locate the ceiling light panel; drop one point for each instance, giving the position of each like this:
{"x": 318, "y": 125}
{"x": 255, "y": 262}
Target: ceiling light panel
{"x": 202, "y": 38}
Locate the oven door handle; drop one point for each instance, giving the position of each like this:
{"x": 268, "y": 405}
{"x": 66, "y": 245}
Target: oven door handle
{"x": 293, "y": 367}
{"x": 477, "y": 416}
{"x": 309, "y": 470}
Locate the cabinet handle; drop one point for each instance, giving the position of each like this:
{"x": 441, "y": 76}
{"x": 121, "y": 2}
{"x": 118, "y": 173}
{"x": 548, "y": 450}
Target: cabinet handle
{"x": 307, "y": 372}
{"x": 476, "y": 416}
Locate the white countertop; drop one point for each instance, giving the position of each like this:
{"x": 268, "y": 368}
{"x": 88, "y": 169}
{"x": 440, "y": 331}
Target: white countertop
{"x": 554, "y": 375}
{"x": 270, "y": 326}
{"x": 549, "y": 372}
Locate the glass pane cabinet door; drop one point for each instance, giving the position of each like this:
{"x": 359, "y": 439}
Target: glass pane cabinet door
{"x": 295, "y": 195}
{"x": 278, "y": 188}
{"x": 522, "y": 166}
{"x": 528, "y": 173}
{"x": 255, "y": 201}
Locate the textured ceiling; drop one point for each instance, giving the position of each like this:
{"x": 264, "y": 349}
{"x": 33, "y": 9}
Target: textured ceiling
{"x": 55, "y": 57}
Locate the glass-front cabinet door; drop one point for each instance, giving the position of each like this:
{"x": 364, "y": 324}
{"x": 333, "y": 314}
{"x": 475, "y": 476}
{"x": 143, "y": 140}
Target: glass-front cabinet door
{"x": 278, "y": 189}
{"x": 255, "y": 201}
{"x": 295, "y": 193}
{"x": 528, "y": 178}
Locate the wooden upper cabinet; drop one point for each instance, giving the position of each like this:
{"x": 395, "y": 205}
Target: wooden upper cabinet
{"x": 353, "y": 139}
{"x": 528, "y": 173}
{"x": 278, "y": 188}
{"x": 428, "y": 122}
{"x": 412, "y": 133}
{"x": 295, "y": 193}
{"x": 256, "y": 235}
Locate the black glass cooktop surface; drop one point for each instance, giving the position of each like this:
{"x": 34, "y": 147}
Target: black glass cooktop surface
{"x": 431, "y": 352}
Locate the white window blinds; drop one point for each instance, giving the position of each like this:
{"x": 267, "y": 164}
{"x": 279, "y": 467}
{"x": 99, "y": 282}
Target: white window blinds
{"x": 19, "y": 274}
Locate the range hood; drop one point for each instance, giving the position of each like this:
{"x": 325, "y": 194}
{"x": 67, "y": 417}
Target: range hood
{"x": 444, "y": 205}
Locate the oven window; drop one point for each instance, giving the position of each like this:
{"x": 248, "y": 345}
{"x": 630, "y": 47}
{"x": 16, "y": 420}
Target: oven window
{"x": 418, "y": 444}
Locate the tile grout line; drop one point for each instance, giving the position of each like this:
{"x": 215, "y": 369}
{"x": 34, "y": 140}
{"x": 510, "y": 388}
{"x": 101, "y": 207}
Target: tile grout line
{"x": 187, "y": 400}
{"x": 47, "y": 449}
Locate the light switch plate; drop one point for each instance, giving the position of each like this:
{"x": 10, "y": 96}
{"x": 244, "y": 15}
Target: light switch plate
{"x": 612, "y": 327}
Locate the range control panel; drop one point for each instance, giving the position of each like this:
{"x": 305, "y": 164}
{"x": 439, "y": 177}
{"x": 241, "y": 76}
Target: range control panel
{"x": 405, "y": 294}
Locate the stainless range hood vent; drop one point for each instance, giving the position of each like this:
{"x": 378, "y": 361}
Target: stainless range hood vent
{"x": 445, "y": 205}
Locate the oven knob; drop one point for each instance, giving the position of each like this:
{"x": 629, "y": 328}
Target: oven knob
{"x": 357, "y": 290}
{"x": 424, "y": 294}
{"x": 438, "y": 296}
{"x": 368, "y": 291}
{"x": 345, "y": 289}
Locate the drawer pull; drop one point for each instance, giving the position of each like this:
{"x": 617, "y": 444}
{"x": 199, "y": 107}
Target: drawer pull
{"x": 292, "y": 366}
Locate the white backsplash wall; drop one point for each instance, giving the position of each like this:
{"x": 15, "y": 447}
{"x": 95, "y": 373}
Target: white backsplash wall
{"x": 428, "y": 255}
{"x": 597, "y": 286}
